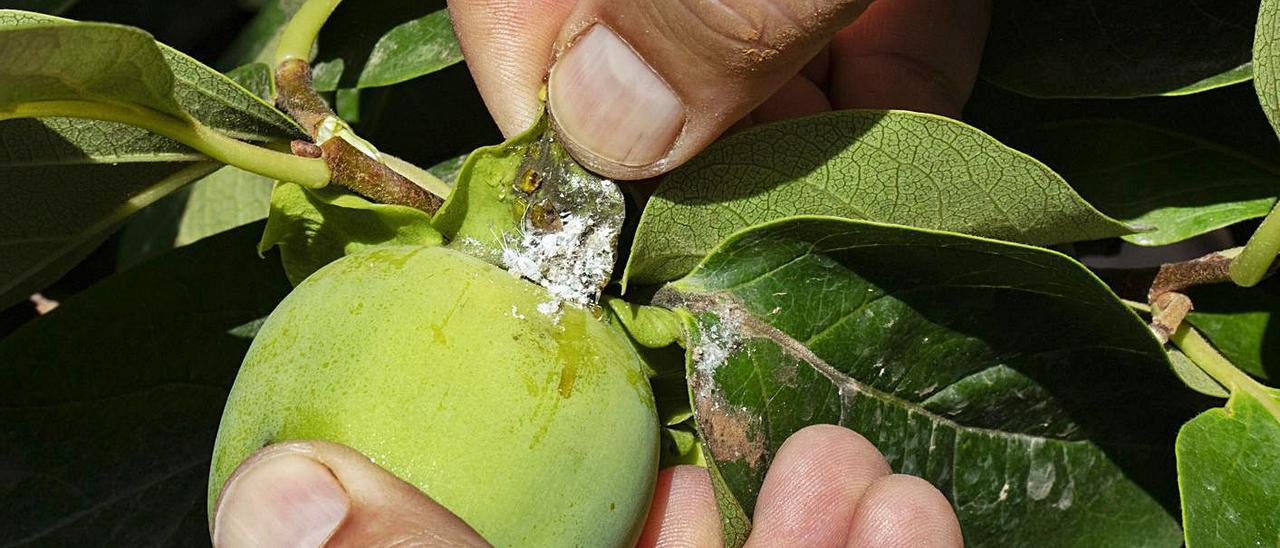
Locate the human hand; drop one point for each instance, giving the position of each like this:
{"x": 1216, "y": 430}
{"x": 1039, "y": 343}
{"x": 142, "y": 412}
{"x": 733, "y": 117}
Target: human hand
{"x": 827, "y": 486}
{"x": 638, "y": 87}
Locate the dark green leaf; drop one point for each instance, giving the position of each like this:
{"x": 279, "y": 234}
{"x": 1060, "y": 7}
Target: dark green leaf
{"x": 1242, "y": 324}
{"x": 1229, "y": 116}
{"x": 112, "y": 402}
{"x": 55, "y": 215}
{"x": 1009, "y": 376}
{"x": 1085, "y": 48}
{"x": 889, "y": 166}
{"x": 1228, "y": 473}
{"x": 409, "y": 50}
{"x": 1176, "y": 185}
{"x": 313, "y": 228}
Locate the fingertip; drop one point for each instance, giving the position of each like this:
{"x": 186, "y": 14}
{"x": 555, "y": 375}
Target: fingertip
{"x": 280, "y": 496}
{"x": 813, "y": 485}
{"x": 684, "y": 511}
{"x": 904, "y": 511}
{"x": 508, "y": 46}
{"x": 314, "y": 493}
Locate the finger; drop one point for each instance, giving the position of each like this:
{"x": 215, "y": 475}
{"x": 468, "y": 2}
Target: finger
{"x": 508, "y": 45}
{"x": 684, "y": 512}
{"x": 799, "y": 97}
{"x": 904, "y": 511}
{"x": 640, "y": 86}
{"x": 813, "y": 486}
{"x": 917, "y": 55}
{"x": 307, "y": 493}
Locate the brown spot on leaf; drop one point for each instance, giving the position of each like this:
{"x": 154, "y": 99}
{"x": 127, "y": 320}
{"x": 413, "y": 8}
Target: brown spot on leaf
{"x": 731, "y": 432}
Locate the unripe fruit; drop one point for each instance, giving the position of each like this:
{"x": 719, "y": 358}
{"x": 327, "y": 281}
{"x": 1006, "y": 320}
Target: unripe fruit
{"x": 441, "y": 369}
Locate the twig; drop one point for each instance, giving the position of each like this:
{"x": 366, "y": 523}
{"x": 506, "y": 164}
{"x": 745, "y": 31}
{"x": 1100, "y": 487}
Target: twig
{"x": 1209, "y": 269}
{"x": 352, "y": 167}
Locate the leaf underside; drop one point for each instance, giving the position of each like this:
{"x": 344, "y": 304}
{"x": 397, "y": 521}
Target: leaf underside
{"x": 70, "y": 182}
{"x": 888, "y": 166}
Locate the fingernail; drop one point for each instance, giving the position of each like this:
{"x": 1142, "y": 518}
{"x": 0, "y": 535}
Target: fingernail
{"x": 608, "y": 101}
{"x": 286, "y": 500}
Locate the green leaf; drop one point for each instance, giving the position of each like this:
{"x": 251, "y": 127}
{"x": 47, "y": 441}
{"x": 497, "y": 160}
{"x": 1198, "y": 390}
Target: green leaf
{"x": 481, "y": 214}
{"x": 112, "y": 401}
{"x": 1242, "y": 323}
{"x": 1228, "y": 475}
{"x": 409, "y": 50}
{"x": 257, "y": 78}
{"x": 225, "y": 199}
{"x": 313, "y": 228}
{"x": 650, "y": 326}
{"x": 891, "y": 166}
{"x": 1266, "y": 60}
{"x": 380, "y": 43}
{"x": 111, "y": 62}
{"x": 56, "y": 216}
{"x": 1175, "y": 185}
{"x": 1194, "y": 377}
{"x": 1007, "y": 375}
{"x": 1085, "y": 48}
{"x": 1242, "y": 73}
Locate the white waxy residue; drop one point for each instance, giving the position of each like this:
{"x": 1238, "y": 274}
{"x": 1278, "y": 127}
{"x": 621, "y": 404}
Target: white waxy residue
{"x": 573, "y": 263}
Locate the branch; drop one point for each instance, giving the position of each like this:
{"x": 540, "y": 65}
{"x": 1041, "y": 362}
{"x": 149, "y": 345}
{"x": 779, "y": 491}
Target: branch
{"x": 352, "y": 167}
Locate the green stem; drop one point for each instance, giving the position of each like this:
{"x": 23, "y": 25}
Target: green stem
{"x": 1251, "y": 266}
{"x": 1207, "y": 358}
{"x": 309, "y": 172}
{"x": 302, "y": 30}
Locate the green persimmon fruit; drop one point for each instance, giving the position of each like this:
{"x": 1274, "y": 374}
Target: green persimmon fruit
{"x": 537, "y": 431}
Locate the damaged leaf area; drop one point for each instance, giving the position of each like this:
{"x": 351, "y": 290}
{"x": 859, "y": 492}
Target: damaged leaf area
{"x": 1006, "y": 375}
{"x": 527, "y": 206}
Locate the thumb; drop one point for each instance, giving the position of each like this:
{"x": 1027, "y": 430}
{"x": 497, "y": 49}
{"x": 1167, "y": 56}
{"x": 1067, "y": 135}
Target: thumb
{"x": 314, "y": 493}
{"x": 641, "y": 86}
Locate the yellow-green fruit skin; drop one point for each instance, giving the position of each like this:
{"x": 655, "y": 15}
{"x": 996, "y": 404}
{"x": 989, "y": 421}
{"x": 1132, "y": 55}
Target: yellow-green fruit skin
{"x": 440, "y": 368}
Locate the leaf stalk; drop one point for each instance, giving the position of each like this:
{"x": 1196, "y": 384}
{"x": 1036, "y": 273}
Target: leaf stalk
{"x": 303, "y": 28}
{"x": 1255, "y": 261}
{"x": 308, "y": 172}
{"x": 1207, "y": 358}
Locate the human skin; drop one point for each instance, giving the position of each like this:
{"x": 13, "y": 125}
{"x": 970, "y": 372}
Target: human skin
{"x": 827, "y": 485}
